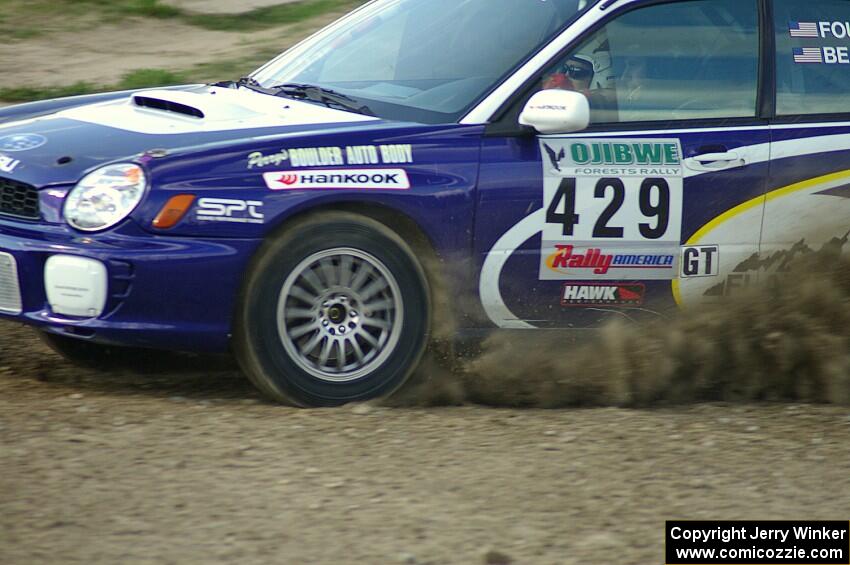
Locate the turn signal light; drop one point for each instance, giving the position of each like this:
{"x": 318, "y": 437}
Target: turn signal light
{"x": 173, "y": 211}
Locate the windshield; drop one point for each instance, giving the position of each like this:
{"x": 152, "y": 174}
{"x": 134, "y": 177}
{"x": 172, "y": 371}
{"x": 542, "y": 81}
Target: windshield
{"x": 423, "y": 60}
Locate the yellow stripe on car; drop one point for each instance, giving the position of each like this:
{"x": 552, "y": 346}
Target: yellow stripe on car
{"x": 750, "y": 204}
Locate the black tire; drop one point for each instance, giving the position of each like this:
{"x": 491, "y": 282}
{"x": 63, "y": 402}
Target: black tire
{"x": 280, "y": 365}
{"x": 97, "y": 356}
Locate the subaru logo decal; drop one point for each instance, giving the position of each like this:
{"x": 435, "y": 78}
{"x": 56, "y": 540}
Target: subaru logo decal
{"x": 22, "y": 142}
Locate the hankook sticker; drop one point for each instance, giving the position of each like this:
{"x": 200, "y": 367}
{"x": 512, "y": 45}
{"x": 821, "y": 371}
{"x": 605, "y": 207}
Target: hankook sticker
{"x": 386, "y": 179}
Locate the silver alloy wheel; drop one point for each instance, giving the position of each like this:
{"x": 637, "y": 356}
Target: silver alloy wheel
{"x": 339, "y": 314}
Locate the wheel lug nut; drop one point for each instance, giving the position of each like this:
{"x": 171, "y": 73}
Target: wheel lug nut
{"x": 342, "y": 329}
{"x": 325, "y": 323}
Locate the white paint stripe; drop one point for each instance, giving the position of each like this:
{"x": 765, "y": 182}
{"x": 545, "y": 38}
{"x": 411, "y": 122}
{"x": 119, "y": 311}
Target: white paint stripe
{"x": 817, "y": 125}
{"x": 491, "y": 271}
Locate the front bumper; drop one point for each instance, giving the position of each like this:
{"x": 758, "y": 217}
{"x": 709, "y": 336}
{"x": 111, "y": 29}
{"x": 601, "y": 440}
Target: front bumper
{"x": 161, "y": 292}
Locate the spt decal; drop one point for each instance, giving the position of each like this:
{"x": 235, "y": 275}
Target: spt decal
{"x": 228, "y": 210}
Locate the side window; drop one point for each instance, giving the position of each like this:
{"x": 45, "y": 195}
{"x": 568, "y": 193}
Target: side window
{"x": 812, "y": 56}
{"x": 678, "y": 61}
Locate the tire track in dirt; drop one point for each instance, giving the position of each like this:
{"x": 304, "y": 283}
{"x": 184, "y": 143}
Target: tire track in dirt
{"x": 191, "y": 466}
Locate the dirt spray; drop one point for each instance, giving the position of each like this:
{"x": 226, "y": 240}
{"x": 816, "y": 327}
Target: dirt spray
{"x": 787, "y": 339}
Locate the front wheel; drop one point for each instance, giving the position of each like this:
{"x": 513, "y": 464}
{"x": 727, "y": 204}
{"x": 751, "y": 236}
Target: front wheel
{"x": 335, "y": 310}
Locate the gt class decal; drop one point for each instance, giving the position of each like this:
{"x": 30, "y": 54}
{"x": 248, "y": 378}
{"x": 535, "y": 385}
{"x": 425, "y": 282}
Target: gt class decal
{"x": 386, "y": 179}
{"x": 621, "y": 295}
{"x": 700, "y": 261}
{"x": 621, "y": 192}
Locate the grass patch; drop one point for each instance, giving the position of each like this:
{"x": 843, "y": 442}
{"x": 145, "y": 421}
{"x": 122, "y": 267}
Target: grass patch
{"x": 271, "y": 16}
{"x": 231, "y": 68}
{"x": 31, "y": 93}
{"x": 23, "y": 19}
{"x": 149, "y": 78}
{"x": 142, "y": 78}
{"x": 143, "y": 8}
{"x": 29, "y": 18}
{"x": 294, "y": 19}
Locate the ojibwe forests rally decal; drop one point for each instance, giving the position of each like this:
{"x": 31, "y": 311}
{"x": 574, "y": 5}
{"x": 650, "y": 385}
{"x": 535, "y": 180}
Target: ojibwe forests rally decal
{"x": 613, "y": 209}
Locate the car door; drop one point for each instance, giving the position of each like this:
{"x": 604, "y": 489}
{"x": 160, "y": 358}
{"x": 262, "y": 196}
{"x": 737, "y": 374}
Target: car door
{"x": 619, "y": 220}
{"x": 808, "y": 203}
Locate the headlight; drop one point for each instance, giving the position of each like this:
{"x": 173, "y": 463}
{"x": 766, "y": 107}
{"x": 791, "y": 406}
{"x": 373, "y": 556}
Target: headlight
{"x": 105, "y": 197}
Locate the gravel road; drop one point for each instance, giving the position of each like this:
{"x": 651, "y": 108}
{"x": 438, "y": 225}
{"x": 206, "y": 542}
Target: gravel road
{"x": 192, "y": 467}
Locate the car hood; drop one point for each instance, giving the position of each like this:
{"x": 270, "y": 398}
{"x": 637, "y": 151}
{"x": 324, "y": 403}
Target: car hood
{"x": 59, "y": 148}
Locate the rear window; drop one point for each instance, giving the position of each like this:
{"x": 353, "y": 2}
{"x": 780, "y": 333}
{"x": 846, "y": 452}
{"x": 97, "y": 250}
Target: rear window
{"x": 812, "y": 56}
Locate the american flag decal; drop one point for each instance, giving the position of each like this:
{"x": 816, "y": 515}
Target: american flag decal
{"x": 803, "y": 29}
{"x": 808, "y": 55}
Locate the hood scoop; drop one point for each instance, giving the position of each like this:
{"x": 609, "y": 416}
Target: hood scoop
{"x": 203, "y": 105}
{"x": 201, "y": 108}
{"x": 167, "y": 106}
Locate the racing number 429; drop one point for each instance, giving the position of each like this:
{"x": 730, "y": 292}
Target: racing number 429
{"x": 654, "y": 201}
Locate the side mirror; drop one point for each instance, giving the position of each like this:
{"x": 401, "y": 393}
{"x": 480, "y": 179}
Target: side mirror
{"x": 556, "y": 111}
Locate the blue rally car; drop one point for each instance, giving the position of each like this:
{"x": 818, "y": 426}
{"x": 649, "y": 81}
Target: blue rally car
{"x": 427, "y": 166}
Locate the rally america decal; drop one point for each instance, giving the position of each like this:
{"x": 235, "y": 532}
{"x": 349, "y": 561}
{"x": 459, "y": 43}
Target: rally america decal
{"x": 613, "y": 209}
{"x": 620, "y": 295}
{"x": 570, "y": 262}
{"x": 357, "y": 155}
{"x": 377, "y": 179}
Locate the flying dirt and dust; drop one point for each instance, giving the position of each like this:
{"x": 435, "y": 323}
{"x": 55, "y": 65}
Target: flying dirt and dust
{"x": 787, "y": 339}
